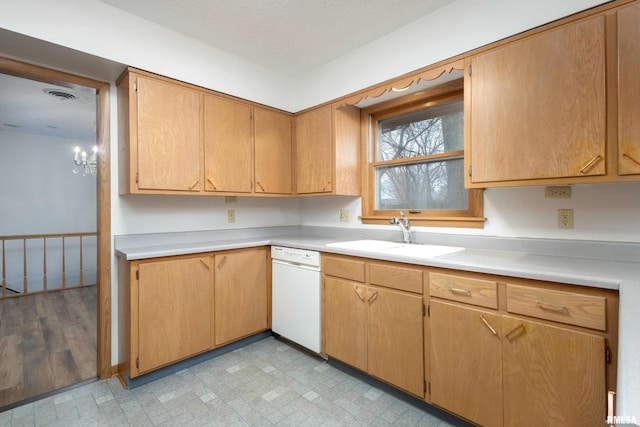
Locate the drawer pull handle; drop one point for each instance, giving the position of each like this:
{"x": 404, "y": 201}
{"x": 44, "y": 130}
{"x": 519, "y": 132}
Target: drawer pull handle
{"x": 493, "y": 331}
{"x": 221, "y": 263}
{"x": 515, "y": 331}
{"x": 554, "y": 308}
{"x": 591, "y": 164}
{"x": 373, "y": 297}
{"x": 358, "y": 293}
{"x": 458, "y": 291}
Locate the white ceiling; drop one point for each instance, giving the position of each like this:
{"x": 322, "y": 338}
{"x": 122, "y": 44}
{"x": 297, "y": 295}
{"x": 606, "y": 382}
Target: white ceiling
{"x": 286, "y": 36}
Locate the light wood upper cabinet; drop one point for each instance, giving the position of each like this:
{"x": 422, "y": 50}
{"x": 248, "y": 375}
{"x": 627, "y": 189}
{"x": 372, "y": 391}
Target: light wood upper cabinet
{"x": 328, "y": 151}
{"x": 240, "y": 294}
{"x": 175, "y": 138}
{"x": 228, "y": 146}
{"x": 171, "y": 311}
{"x": 536, "y": 108}
{"x": 628, "y": 90}
{"x": 159, "y": 136}
{"x": 273, "y": 152}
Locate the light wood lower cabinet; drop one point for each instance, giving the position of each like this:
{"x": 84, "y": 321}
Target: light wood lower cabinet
{"x": 173, "y": 308}
{"x": 539, "y": 358}
{"x": 466, "y": 362}
{"x": 376, "y": 329}
{"x": 240, "y": 294}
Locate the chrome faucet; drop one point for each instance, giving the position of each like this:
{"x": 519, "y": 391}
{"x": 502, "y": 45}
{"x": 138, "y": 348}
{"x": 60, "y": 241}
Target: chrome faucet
{"x": 404, "y": 226}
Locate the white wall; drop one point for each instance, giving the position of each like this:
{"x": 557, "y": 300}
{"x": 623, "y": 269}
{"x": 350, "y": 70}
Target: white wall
{"x": 39, "y": 194}
{"x": 605, "y": 212}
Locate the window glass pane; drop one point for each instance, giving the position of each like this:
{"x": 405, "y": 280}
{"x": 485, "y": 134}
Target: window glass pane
{"x": 432, "y": 130}
{"x": 422, "y": 186}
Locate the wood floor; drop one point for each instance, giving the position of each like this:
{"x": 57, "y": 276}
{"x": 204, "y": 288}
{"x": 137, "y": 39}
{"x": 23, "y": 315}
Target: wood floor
{"x": 47, "y": 342}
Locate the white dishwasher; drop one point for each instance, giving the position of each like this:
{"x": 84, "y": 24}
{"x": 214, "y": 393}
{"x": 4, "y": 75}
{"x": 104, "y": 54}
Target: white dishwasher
{"x": 295, "y": 294}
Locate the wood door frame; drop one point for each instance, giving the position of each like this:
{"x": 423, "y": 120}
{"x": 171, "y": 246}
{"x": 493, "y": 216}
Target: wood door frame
{"x": 34, "y": 72}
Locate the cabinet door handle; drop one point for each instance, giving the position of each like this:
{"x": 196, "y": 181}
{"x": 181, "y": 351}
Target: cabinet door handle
{"x": 206, "y": 264}
{"x": 458, "y": 291}
{"x": 221, "y": 263}
{"x": 212, "y": 184}
{"x": 192, "y": 186}
{"x": 554, "y": 308}
{"x": 493, "y": 331}
{"x": 373, "y": 297}
{"x": 591, "y": 164}
{"x": 260, "y": 185}
{"x": 631, "y": 158}
{"x": 515, "y": 331}
{"x": 358, "y": 293}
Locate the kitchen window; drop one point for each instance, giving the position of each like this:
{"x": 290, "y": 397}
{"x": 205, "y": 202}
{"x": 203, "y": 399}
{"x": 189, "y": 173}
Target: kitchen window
{"x": 416, "y": 163}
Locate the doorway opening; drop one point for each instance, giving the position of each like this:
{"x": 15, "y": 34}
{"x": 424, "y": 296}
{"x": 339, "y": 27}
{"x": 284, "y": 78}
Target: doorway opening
{"x": 55, "y": 292}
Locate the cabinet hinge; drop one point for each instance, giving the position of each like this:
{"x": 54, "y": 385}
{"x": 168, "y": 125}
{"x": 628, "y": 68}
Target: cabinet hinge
{"x": 136, "y": 177}
{"x": 469, "y": 70}
{"x": 470, "y": 170}
{"x": 429, "y": 311}
{"x": 135, "y": 85}
{"x": 424, "y": 310}
{"x": 137, "y": 274}
{"x": 607, "y": 355}
{"x": 137, "y": 363}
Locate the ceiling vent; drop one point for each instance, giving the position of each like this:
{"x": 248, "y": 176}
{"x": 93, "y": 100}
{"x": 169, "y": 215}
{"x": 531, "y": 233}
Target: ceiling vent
{"x": 56, "y": 93}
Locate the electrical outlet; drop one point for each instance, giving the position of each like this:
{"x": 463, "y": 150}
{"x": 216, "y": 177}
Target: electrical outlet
{"x": 230, "y": 199}
{"x": 565, "y": 219}
{"x": 557, "y": 192}
{"x": 231, "y": 216}
{"x": 344, "y": 215}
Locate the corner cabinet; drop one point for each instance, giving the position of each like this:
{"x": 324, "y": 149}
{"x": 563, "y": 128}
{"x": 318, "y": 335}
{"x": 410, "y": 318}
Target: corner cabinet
{"x": 173, "y": 308}
{"x": 536, "y": 108}
{"x": 175, "y": 138}
{"x": 328, "y": 151}
{"x": 375, "y": 325}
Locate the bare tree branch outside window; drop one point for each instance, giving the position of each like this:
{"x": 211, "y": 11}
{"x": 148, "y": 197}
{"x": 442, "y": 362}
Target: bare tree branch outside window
{"x": 427, "y": 183}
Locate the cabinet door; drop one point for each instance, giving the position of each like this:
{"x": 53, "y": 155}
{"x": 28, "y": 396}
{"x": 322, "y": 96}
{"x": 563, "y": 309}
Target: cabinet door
{"x": 228, "y": 150}
{"x": 628, "y": 90}
{"x": 174, "y": 311}
{"x": 396, "y": 339}
{"x": 466, "y": 362}
{"x": 240, "y": 294}
{"x": 344, "y": 321}
{"x": 538, "y": 106}
{"x": 314, "y": 152}
{"x": 168, "y": 136}
{"x": 273, "y": 169}
{"x": 552, "y": 376}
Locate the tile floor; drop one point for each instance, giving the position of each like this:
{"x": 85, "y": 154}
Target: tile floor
{"x": 265, "y": 383}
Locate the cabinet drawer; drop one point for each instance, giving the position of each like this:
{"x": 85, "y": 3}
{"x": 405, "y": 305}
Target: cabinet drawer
{"x": 483, "y": 293}
{"x": 396, "y": 277}
{"x": 571, "y": 308}
{"x": 345, "y": 268}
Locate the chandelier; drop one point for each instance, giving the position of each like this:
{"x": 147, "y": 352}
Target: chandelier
{"x": 86, "y": 162}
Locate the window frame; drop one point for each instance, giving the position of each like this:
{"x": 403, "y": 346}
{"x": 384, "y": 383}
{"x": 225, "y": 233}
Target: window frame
{"x": 472, "y": 217}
